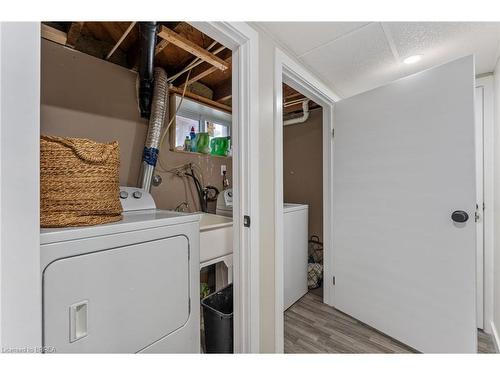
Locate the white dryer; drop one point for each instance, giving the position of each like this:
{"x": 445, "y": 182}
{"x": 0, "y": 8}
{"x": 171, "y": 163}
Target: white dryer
{"x": 125, "y": 287}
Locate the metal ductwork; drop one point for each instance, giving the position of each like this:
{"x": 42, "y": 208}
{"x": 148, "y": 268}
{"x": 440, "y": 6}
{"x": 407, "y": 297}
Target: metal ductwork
{"x": 159, "y": 110}
{"x": 147, "y": 43}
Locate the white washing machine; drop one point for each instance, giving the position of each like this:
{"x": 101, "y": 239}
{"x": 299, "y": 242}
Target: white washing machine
{"x": 125, "y": 287}
{"x": 295, "y": 223}
{"x": 295, "y": 232}
{"x": 225, "y": 203}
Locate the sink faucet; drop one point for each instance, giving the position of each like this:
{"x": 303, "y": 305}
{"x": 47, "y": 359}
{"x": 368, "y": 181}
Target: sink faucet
{"x": 182, "y": 207}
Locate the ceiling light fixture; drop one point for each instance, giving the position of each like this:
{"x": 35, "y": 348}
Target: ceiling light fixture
{"x": 412, "y": 59}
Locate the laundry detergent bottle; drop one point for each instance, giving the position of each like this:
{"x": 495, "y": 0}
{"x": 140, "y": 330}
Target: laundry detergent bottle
{"x": 192, "y": 135}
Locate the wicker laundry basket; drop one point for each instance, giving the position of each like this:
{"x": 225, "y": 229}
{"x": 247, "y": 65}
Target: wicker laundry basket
{"x": 79, "y": 182}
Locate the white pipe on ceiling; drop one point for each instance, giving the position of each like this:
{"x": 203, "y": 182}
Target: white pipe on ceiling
{"x": 301, "y": 119}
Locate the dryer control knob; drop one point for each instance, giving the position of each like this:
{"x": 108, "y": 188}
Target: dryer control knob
{"x": 123, "y": 194}
{"x": 137, "y": 194}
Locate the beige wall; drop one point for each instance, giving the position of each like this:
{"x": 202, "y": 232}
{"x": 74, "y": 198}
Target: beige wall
{"x": 303, "y": 168}
{"x": 83, "y": 96}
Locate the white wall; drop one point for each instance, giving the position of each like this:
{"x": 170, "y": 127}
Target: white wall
{"x": 496, "y": 256}
{"x": 266, "y": 180}
{"x": 267, "y": 47}
{"x": 20, "y": 301}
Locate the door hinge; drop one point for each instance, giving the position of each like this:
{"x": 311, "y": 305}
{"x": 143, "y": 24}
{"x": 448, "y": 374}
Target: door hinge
{"x": 189, "y": 306}
{"x": 476, "y": 217}
{"x": 333, "y": 133}
{"x": 333, "y": 280}
{"x": 246, "y": 221}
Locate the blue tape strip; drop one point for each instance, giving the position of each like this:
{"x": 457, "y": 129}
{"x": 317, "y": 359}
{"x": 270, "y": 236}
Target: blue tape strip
{"x": 150, "y": 155}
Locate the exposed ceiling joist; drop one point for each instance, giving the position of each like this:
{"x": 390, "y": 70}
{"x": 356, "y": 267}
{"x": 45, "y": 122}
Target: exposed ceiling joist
{"x": 191, "y": 47}
{"x": 193, "y": 64}
{"x": 225, "y": 98}
{"x": 120, "y": 41}
{"x": 74, "y": 32}
{"x": 54, "y": 34}
{"x": 292, "y": 100}
{"x": 223, "y": 91}
{"x": 293, "y": 96}
{"x": 199, "y": 75}
{"x": 161, "y": 45}
{"x": 208, "y": 61}
{"x": 202, "y": 72}
{"x": 202, "y": 99}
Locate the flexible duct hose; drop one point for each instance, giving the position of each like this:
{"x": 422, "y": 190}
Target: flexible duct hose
{"x": 158, "y": 114}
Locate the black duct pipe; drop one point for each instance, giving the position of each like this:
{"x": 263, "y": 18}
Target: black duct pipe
{"x": 199, "y": 190}
{"x": 147, "y": 40}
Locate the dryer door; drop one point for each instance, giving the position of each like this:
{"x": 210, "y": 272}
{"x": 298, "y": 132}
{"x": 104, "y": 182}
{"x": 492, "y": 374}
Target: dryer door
{"x": 119, "y": 300}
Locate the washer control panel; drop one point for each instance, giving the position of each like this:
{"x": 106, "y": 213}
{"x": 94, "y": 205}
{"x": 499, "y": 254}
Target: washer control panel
{"x": 133, "y": 199}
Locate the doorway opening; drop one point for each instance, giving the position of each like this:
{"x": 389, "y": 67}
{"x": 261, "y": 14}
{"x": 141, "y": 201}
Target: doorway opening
{"x": 301, "y": 84}
{"x": 241, "y": 42}
{"x": 302, "y": 195}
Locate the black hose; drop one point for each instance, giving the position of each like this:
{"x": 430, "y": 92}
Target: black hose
{"x": 147, "y": 37}
{"x": 199, "y": 189}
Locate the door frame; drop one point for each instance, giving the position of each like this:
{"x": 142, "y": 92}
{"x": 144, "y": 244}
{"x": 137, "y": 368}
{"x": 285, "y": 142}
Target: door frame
{"x": 243, "y": 40}
{"x": 20, "y": 283}
{"x": 486, "y": 82}
{"x": 479, "y": 217}
{"x": 289, "y": 71}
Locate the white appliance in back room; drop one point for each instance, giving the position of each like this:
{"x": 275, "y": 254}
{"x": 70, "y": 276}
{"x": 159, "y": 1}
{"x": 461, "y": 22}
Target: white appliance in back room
{"x": 125, "y": 287}
{"x": 295, "y": 230}
{"x": 295, "y": 222}
{"x": 225, "y": 203}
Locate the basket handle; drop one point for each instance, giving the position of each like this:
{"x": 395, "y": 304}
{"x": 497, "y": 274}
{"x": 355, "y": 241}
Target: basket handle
{"x": 82, "y": 153}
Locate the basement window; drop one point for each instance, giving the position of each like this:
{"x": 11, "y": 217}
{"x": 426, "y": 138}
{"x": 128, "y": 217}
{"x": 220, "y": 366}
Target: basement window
{"x": 203, "y": 118}
{"x": 217, "y": 130}
{"x": 183, "y": 127}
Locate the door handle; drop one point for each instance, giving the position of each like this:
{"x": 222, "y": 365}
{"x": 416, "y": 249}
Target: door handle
{"x": 459, "y": 216}
{"x": 78, "y": 318}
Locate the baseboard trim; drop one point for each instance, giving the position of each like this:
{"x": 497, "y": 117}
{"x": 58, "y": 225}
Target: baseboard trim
{"x": 496, "y": 337}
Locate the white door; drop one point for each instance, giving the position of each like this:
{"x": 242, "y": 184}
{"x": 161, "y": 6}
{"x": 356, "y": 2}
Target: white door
{"x": 404, "y": 161}
{"x": 479, "y": 205}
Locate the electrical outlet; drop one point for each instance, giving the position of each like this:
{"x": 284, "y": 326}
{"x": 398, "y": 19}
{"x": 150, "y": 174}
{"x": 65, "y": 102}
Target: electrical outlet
{"x": 223, "y": 169}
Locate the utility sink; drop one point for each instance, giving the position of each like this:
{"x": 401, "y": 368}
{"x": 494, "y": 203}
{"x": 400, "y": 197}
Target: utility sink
{"x": 216, "y": 238}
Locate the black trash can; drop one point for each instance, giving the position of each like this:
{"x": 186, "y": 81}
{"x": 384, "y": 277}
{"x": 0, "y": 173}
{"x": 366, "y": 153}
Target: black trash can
{"x": 218, "y": 321}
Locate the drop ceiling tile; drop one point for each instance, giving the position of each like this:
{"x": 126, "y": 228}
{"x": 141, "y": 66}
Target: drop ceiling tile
{"x": 356, "y": 62}
{"x": 444, "y": 41}
{"x": 355, "y": 57}
{"x": 302, "y": 37}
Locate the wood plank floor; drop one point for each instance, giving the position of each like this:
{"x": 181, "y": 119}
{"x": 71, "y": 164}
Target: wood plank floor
{"x": 313, "y": 327}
